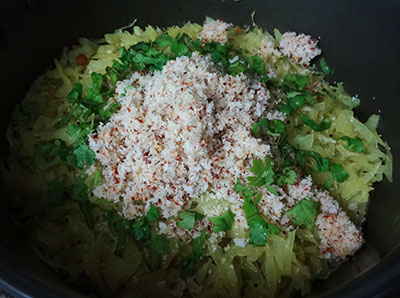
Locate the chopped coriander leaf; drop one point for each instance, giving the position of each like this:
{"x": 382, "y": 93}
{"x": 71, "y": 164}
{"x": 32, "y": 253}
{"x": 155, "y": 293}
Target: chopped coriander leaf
{"x": 151, "y": 60}
{"x": 118, "y": 225}
{"x": 296, "y": 102}
{"x": 141, "y": 61}
{"x": 324, "y": 67}
{"x": 158, "y": 243}
{"x": 79, "y": 131}
{"x": 328, "y": 183}
{"x": 262, "y": 123}
{"x": 308, "y": 98}
{"x": 256, "y": 65}
{"x": 260, "y": 231}
{"x": 129, "y": 87}
{"x": 84, "y": 156}
{"x": 250, "y": 209}
{"x": 141, "y": 231}
{"x": 286, "y": 176}
{"x": 286, "y": 109}
{"x": 266, "y": 80}
{"x": 354, "y": 144}
{"x": 140, "y": 46}
{"x": 75, "y": 94}
{"x": 47, "y": 155}
{"x": 292, "y": 94}
{"x": 264, "y": 174}
{"x": 52, "y": 153}
{"x": 300, "y": 157}
{"x": 80, "y": 112}
{"x": 79, "y": 189}
{"x": 219, "y": 53}
{"x": 164, "y": 41}
{"x": 271, "y": 189}
{"x": 304, "y": 213}
{"x": 188, "y": 219}
{"x": 152, "y": 215}
{"x": 217, "y": 57}
{"x": 272, "y": 82}
{"x": 93, "y": 94}
{"x": 188, "y": 41}
{"x": 275, "y": 128}
{"x": 212, "y": 47}
{"x": 222, "y": 222}
{"x": 295, "y": 82}
{"x": 106, "y": 114}
{"x": 189, "y": 262}
{"x": 236, "y": 67}
{"x": 179, "y": 48}
{"x": 274, "y": 230}
{"x": 322, "y": 164}
{"x": 243, "y": 190}
{"x": 311, "y": 123}
{"x": 338, "y": 172}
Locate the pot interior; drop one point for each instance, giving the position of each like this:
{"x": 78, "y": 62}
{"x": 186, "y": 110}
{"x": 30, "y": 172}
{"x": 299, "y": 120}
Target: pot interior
{"x": 360, "y": 39}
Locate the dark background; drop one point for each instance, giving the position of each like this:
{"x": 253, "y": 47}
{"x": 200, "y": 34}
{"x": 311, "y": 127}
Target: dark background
{"x": 360, "y": 38}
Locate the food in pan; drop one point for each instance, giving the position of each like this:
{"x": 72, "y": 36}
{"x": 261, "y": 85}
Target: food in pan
{"x": 193, "y": 161}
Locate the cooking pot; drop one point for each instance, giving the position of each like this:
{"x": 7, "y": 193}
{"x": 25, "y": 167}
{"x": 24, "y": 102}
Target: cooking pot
{"x": 360, "y": 38}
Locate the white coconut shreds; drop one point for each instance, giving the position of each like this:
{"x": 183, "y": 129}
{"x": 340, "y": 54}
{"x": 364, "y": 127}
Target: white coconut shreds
{"x": 267, "y": 48}
{"x": 215, "y": 31}
{"x": 338, "y": 235}
{"x": 180, "y": 133}
{"x": 299, "y": 47}
{"x": 184, "y": 133}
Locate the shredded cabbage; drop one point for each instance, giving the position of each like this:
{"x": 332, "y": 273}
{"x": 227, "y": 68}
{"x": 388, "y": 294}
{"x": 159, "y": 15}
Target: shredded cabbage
{"x": 364, "y": 168}
{"x": 61, "y": 238}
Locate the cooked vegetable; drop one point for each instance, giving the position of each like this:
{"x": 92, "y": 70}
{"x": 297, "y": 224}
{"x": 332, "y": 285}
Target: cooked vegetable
{"x": 91, "y": 240}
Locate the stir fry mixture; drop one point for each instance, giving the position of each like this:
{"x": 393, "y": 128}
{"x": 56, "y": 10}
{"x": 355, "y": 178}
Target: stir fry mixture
{"x": 193, "y": 161}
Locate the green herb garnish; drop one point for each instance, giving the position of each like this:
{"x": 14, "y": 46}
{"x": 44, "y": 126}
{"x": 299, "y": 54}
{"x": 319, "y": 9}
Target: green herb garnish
{"x": 354, "y": 144}
{"x": 189, "y": 262}
{"x": 326, "y": 70}
{"x": 304, "y": 213}
{"x": 260, "y": 230}
{"x": 84, "y": 156}
{"x": 338, "y": 172}
{"x": 264, "y": 174}
{"x": 188, "y": 219}
{"x": 152, "y": 215}
{"x": 274, "y": 128}
{"x": 222, "y": 222}
{"x": 295, "y": 82}
{"x": 286, "y": 176}
{"x": 311, "y": 123}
